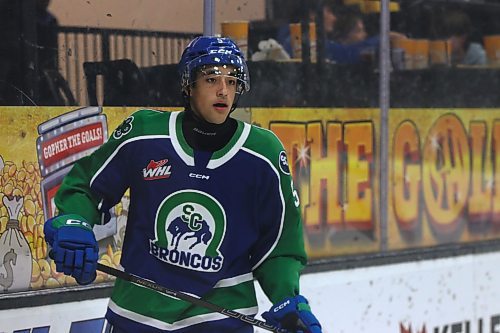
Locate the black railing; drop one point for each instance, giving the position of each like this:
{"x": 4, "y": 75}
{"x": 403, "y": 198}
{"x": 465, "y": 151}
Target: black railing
{"x": 145, "y": 48}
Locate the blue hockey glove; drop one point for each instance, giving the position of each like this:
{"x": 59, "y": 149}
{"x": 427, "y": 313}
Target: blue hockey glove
{"x": 293, "y": 314}
{"x": 74, "y": 247}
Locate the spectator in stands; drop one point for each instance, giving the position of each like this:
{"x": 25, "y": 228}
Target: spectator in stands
{"x": 464, "y": 50}
{"x": 329, "y": 8}
{"x": 351, "y": 43}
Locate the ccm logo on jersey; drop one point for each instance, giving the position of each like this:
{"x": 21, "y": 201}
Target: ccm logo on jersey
{"x": 157, "y": 170}
{"x": 198, "y": 176}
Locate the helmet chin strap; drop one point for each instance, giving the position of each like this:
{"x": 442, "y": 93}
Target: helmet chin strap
{"x": 235, "y": 103}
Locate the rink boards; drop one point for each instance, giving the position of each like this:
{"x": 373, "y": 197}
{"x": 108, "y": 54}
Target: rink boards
{"x": 457, "y": 294}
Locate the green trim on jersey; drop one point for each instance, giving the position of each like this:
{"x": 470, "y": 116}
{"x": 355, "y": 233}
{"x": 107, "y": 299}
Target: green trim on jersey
{"x": 144, "y": 121}
{"x": 220, "y": 153}
{"x": 165, "y": 308}
{"x": 74, "y": 194}
{"x": 180, "y": 137}
{"x": 278, "y": 275}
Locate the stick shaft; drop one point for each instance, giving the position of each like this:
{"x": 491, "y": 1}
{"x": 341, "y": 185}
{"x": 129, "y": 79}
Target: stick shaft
{"x": 185, "y": 297}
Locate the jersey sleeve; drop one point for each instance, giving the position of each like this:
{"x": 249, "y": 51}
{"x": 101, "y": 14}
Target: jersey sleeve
{"x": 280, "y": 254}
{"x": 97, "y": 182}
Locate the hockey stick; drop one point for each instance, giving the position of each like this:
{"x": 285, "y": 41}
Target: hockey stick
{"x": 188, "y": 298}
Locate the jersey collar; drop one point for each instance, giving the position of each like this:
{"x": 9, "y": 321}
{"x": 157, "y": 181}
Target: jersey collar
{"x": 220, "y": 156}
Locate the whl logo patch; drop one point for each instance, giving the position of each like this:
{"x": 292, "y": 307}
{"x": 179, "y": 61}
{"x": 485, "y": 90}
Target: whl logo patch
{"x": 157, "y": 170}
{"x": 189, "y": 229}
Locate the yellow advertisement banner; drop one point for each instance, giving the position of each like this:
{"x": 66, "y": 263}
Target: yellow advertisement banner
{"x": 333, "y": 156}
{"x": 443, "y": 169}
{"x": 444, "y": 176}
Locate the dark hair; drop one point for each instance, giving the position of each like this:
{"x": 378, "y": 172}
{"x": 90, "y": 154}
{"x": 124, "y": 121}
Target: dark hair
{"x": 346, "y": 22}
{"x": 42, "y": 5}
{"x": 457, "y": 23}
{"x": 333, "y": 5}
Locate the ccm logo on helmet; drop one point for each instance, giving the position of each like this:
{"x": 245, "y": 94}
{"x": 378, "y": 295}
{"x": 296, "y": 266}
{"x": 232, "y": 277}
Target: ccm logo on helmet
{"x": 281, "y": 306}
{"x": 222, "y": 51}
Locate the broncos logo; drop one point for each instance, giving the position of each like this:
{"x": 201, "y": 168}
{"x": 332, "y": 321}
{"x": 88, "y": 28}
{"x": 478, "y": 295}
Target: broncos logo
{"x": 189, "y": 231}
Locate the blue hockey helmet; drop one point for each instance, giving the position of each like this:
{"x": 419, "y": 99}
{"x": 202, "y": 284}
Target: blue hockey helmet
{"x": 206, "y": 51}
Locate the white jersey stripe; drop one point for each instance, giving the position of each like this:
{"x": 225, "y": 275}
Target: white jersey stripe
{"x": 189, "y": 160}
{"x": 229, "y": 282}
{"x": 178, "y": 324}
{"x": 227, "y": 156}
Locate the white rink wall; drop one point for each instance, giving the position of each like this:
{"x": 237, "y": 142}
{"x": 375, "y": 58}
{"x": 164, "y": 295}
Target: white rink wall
{"x": 451, "y": 295}
{"x": 56, "y": 318}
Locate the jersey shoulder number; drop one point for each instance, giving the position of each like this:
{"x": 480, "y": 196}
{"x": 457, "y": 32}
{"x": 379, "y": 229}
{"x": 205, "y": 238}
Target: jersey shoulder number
{"x": 143, "y": 122}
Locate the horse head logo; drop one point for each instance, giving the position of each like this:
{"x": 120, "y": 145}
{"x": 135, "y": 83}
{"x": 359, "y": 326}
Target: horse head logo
{"x": 181, "y": 229}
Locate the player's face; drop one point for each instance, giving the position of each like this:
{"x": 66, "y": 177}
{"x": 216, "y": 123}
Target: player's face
{"x": 213, "y": 93}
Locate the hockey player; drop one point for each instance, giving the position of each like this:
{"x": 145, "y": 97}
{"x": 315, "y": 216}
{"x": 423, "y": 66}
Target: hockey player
{"x": 212, "y": 207}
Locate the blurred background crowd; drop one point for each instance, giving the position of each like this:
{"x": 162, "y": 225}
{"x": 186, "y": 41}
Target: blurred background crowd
{"x": 83, "y": 53}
